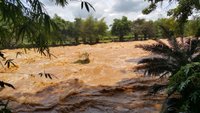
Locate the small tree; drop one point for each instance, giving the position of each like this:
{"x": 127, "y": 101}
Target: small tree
{"x": 169, "y": 57}
{"x": 121, "y": 27}
{"x": 136, "y": 27}
{"x": 148, "y": 29}
{"x": 88, "y": 29}
{"x": 77, "y": 27}
{"x": 186, "y": 83}
{"x": 101, "y": 29}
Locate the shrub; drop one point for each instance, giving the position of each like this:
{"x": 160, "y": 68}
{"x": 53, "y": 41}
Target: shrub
{"x": 186, "y": 83}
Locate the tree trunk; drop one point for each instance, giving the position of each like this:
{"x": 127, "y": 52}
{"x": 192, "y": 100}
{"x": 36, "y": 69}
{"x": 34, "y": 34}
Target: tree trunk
{"x": 84, "y": 40}
{"x": 97, "y": 39}
{"x": 91, "y": 40}
{"x": 136, "y": 36}
{"x": 145, "y": 36}
{"x": 121, "y": 38}
{"x": 77, "y": 40}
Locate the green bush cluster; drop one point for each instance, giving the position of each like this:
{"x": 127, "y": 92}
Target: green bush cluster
{"x": 186, "y": 83}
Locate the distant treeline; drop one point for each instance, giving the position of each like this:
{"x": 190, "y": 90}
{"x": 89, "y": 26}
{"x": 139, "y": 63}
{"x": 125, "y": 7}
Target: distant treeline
{"x": 92, "y": 31}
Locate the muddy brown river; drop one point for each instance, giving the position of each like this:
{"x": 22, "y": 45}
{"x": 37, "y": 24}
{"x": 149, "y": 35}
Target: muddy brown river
{"x": 107, "y": 84}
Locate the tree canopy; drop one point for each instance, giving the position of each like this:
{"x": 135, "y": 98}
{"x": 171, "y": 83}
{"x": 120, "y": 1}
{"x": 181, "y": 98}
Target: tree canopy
{"x": 184, "y": 9}
{"x": 27, "y": 20}
{"x": 121, "y": 27}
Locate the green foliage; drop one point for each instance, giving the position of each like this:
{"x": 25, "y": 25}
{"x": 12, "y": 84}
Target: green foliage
{"x": 168, "y": 58}
{"x": 20, "y": 22}
{"x": 77, "y": 29}
{"x": 184, "y": 9}
{"x": 186, "y": 83}
{"x": 90, "y": 30}
{"x": 4, "y": 108}
{"x": 101, "y": 29}
{"x": 3, "y": 105}
{"x": 148, "y": 29}
{"x": 169, "y": 24}
{"x": 192, "y": 27}
{"x": 28, "y": 20}
{"x": 121, "y": 27}
{"x": 136, "y": 27}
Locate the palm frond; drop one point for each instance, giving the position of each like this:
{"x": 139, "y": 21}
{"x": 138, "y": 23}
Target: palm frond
{"x": 9, "y": 62}
{"x": 196, "y": 58}
{"x": 2, "y": 55}
{"x": 155, "y": 66}
{"x": 18, "y": 53}
{"x": 174, "y": 44}
{"x": 3, "y": 84}
{"x": 158, "y": 49}
{"x": 152, "y": 60}
{"x": 47, "y": 75}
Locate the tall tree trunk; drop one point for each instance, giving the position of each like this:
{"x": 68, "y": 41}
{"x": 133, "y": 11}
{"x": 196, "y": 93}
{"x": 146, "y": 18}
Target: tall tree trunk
{"x": 121, "y": 38}
{"x": 136, "y": 36}
{"x": 84, "y": 39}
{"x": 91, "y": 40}
{"x": 77, "y": 40}
{"x": 97, "y": 39}
{"x": 145, "y": 36}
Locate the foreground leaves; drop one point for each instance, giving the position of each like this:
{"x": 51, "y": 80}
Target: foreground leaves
{"x": 186, "y": 83}
{"x": 3, "y": 84}
{"x": 9, "y": 62}
{"x": 47, "y": 75}
{"x": 167, "y": 58}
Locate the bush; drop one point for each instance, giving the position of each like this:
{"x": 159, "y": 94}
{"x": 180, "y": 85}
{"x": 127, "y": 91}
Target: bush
{"x": 186, "y": 83}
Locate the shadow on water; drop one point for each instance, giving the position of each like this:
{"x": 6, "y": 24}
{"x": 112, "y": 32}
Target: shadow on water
{"x": 74, "y": 96}
{"x": 136, "y": 60}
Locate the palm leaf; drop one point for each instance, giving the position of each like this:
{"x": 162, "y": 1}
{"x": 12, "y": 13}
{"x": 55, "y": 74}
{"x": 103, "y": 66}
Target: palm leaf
{"x": 47, "y": 75}
{"x": 18, "y": 53}
{"x": 2, "y": 55}
{"x": 9, "y": 62}
{"x": 3, "y": 84}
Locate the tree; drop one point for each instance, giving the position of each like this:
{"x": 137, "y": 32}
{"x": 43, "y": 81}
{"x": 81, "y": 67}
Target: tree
{"x": 121, "y": 27}
{"x": 181, "y": 13}
{"x": 60, "y": 34}
{"x": 192, "y": 26}
{"x": 168, "y": 59}
{"x": 136, "y": 27}
{"x": 143, "y": 27}
{"x": 101, "y": 29}
{"x": 148, "y": 29}
{"x": 29, "y": 20}
{"x": 88, "y": 30}
{"x": 167, "y": 23}
{"x": 186, "y": 83}
{"x": 77, "y": 24}
{"x": 184, "y": 9}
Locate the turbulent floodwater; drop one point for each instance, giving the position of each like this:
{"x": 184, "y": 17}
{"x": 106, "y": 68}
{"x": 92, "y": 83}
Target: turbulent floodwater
{"x": 106, "y": 85}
